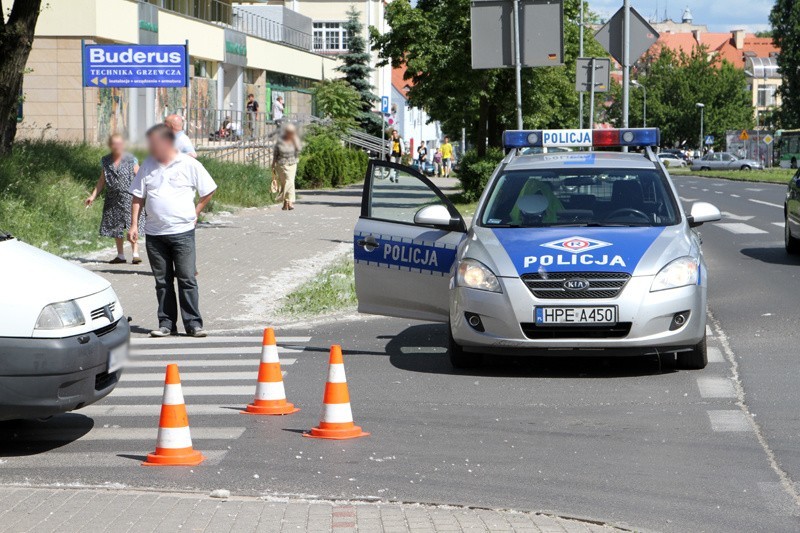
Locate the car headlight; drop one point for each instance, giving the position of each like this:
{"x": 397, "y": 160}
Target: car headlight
{"x": 679, "y": 273}
{"x": 60, "y": 315}
{"x": 476, "y": 275}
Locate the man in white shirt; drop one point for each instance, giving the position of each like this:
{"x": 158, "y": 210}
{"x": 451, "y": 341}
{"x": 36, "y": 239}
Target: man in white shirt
{"x": 182, "y": 141}
{"x": 277, "y": 110}
{"x": 165, "y": 186}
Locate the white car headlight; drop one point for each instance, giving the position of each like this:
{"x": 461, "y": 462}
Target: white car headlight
{"x": 60, "y": 315}
{"x": 476, "y": 275}
{"x": 679, "y": 273}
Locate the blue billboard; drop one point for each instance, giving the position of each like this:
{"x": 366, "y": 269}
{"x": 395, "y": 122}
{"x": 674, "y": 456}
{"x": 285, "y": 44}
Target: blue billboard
{"x": 134, "y": 65}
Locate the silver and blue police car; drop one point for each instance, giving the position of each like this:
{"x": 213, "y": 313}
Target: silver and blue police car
{"x": 580, "y": 252}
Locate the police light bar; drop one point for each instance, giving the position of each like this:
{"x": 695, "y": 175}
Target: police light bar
{"x": 581, "y": 138}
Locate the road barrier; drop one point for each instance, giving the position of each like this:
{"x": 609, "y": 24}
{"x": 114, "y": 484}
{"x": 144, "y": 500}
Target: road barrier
{"x": 270, "y": 393}
{"x": 337, "y": 416}
{"x": 174, "y": 442}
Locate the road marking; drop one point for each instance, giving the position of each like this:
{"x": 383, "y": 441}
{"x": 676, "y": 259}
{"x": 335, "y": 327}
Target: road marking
{"x": 731, "y": 216}
{"x": 114, "y": 459}
{"x": 120, "y": 433}
{"x": 715, "y": 387}
{"x": 229, "y": 390}
{"x": 188, "y": 377}
{"x": 729, "y": 420}
{"x": 151, "y": 409}
{"x": 715, "y": 355}
{"x": 718, "y": 192}
{"x": 739, "y": 228}
{"x": 762, "y": 202}
{"x": 735, "y": 196}
{"x": 688, "y": 200}
{"x": 704, "y": 190}
{"x": 194, "y": 363}
{"x": 695, "y": 188}
{"x": 754, "y": 190}
{"x": 147, "y": 341}
{"x": 779, "y": 224}
{"x": 239, "y": 350}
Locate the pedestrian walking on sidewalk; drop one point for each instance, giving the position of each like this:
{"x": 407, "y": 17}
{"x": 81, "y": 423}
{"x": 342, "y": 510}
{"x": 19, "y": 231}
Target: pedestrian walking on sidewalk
{"x": 447, "y": 157}
{"x": 165, "y": 187}
{"x": 277, "y": 110}
{"x": 396, "y": 155}
{"x": 284, "y": 164}
{"x": 119, "y": 168}
{"x": 437, "y": 163}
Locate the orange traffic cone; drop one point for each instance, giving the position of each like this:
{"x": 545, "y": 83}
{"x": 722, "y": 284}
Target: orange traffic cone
{"x": 337, "y": 417}
{"x": 270, "y": 394}
{"x": 174, "y": 444}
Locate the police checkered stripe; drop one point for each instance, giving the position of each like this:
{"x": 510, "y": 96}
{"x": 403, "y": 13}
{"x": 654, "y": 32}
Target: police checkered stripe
{"x": 173, "y": 395}
{"x": 174, "y": 438}
{"x": 269, "y": 354}
{"x": 337, "y": 413}
{"x": 270, "y": 391}
{"x": 336, "y": 373}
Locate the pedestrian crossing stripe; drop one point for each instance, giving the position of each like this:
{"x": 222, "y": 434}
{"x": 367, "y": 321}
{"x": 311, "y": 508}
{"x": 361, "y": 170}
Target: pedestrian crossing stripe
{"x": 152, "y": 409}
{"x": 194, "y": 363}
{"x": 167, "y": 341}
{"x": 211, "y": 390}
{"x": 61, "y": 459}
{"x": 46, "y": 434}
{"x": 188, "y": 377}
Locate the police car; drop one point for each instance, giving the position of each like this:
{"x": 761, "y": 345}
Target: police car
{"x": 574, "y": 253}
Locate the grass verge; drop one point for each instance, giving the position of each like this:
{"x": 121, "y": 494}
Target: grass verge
{"x": 43, "y": 185}
{"x": 772, "y": 175}
{"x": 333, "y": 290}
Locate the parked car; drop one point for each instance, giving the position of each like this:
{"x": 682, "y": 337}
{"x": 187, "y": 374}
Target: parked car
{"x": 725, "y": 161}
{"x": 63, "y": 334}
{"x": 791, "y": 215}
{"x": 671, "y": 160}
{"x": 682, "y": 154}
{"x": 428, "y": 168}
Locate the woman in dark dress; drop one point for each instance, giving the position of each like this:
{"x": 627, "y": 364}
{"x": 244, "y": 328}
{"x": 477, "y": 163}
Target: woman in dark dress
{"x": 119, "y": 169}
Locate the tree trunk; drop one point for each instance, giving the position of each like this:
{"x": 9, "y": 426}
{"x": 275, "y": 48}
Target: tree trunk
{"x": 480, "y": 131}
{"x": 16, "y": 40}
{"x": 494, "y": 133}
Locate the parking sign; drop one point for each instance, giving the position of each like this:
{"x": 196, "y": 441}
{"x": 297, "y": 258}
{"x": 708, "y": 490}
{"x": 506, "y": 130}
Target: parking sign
{"x": 385, "y": 105}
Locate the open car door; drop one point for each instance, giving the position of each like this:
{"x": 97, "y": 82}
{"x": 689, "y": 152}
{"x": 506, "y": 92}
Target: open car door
{"x": 405, "y": 245}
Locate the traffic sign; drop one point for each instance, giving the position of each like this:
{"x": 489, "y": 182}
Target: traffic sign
{"x": 385, "y": 105}
{"x": 124, "y": 65}
{"x": 709, "y": 139}
{"x": 744, "y": 136}
{"x": 610, "y": 36}
{"x": 768, "y": 139}
{"x": 602, "y": 73}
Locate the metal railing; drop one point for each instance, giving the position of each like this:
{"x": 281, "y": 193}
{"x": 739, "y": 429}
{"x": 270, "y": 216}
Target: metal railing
{"x": 375, "y": 145}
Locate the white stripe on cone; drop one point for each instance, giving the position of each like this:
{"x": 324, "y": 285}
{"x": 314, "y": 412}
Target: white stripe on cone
{"x": 174, "y": 438}
{"x": 270, "y": 391}
{"x": 337, "y": 413}
{"x": 336, "y": 373}
{"x": 172, "y": 394}
{"x": 269, "y": 354}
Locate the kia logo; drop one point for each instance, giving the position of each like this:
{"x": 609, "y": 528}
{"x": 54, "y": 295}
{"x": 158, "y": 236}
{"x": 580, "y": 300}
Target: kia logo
{"x": 576, "y": 284}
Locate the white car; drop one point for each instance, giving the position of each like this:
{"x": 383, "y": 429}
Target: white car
{"x": 671, "y": 160}
{"x": 63, "y": 334}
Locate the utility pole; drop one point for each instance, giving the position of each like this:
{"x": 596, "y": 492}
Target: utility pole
{"x": 517, "y": 64}
{"x": 580, "y": 54}
{"x": 626, "y": 66}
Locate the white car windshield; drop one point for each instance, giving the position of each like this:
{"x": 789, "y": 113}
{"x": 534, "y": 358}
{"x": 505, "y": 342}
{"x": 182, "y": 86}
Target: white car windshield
{"x": 586, "y": 197}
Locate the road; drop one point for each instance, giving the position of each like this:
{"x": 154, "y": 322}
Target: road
{"x": 622, "y": 440}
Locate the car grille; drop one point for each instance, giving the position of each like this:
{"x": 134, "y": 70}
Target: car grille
{"x": 101, "y": 311}
{"x": 617, "y": 331}
{"x": 550, "y": 286}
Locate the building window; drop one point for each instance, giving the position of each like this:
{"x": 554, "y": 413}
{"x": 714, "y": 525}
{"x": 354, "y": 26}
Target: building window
{"x": 766, "y": 95}
{"x": 202, "y": 68}
{"x": 330, "y": 37}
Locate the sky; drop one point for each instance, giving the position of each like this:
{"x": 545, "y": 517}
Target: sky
{"x": 718, "y": 15}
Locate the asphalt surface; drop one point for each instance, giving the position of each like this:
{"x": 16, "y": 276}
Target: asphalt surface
{"x": 624, "y": 440}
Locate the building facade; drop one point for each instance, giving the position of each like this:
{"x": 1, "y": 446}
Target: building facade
{"x": 413, "y": 123}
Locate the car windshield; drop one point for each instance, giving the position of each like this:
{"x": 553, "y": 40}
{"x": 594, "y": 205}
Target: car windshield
{"x": 585, "y": 197}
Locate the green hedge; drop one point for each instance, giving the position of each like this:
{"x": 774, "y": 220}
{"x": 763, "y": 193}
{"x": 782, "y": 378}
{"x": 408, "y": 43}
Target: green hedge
{"x": 326, "y": 162}
{"x": 475, "y": 171}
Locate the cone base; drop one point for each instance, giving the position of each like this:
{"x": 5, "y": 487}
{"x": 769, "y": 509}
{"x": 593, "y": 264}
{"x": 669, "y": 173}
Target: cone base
{"x": 190, "y": 459}
{"x": 336, "y": 434}
{"x": 274, "y": 410}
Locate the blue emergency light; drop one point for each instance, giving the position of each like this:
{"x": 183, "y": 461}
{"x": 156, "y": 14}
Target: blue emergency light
{"x": 581, "y": 138}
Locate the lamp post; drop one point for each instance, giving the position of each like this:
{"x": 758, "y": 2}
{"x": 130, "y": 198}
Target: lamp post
{"x": 701, "y": 107}
{"x": 636, "y": 83}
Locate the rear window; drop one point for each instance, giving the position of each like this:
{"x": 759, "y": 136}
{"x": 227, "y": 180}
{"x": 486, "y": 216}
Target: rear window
{"x": 585, "y": 197}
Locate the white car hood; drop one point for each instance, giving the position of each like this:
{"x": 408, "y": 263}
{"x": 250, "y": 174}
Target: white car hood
{"x": 31, "y": 278}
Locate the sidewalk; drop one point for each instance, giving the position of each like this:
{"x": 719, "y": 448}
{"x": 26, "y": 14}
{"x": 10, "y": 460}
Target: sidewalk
{"x": 69, "y": 509}
{"x": 247, "y": 261}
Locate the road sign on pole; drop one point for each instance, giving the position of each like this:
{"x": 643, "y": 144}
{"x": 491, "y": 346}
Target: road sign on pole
{"x": 602, "y": 74}
{"x": 134, "y": 65}
{"x": 744, "y": 136}
{"x": 768, "y": 139}
{"x": 709, "y": 140}
{"x": 385, "y": 105}
{"x": 611, "y": 36}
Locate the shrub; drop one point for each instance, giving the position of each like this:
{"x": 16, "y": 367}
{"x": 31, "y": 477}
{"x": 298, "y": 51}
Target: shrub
{"x": 475, "y": 171}
{"x": 326, "y": 162}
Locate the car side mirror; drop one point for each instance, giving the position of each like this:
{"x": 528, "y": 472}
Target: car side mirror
{"x": 703, "y": 212}
{"x": 437, "y": 216}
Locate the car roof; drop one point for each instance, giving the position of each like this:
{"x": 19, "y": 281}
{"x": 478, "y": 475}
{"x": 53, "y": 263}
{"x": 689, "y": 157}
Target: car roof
{"x": 581, "y": 160}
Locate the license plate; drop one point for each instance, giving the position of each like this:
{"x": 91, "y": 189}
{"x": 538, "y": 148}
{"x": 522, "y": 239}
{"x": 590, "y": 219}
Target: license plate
{"x": 576, "y": 315}
{"x": 117, "y": 358}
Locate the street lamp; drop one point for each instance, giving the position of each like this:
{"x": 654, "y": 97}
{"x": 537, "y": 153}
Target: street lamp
{"x": 636, "y": 83}
{"x": 701, "y": 107}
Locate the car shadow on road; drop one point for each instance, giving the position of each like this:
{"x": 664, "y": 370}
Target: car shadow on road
{"x": 774, "y": 255}
{"x": 423, "y": 348}
{"x": 19, "y": 438}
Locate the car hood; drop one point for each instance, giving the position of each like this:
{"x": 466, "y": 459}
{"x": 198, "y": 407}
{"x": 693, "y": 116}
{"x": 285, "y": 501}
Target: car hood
{"x": 511, "y": 252}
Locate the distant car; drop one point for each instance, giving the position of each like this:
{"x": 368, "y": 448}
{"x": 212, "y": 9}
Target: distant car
{"x": 427, "y": 168}
{"x": 63, "y": 334}
{"x": 725, "y": 161}
{"x": 682, "y": 154}
{"x": 671, "y": 160}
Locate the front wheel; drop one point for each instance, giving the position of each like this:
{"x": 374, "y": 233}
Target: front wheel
{"x": 458, "y": 357}
{"x": 745, "y": 167}
{"x": 704, "y": 168}
{"x": 791, "y": 242}
{"x": 694, "y": 359}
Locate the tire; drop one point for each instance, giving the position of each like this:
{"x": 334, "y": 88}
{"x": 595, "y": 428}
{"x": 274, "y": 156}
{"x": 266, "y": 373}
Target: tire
{"x": 695, "y": 359}
{"x": 704, "y": 168}
{"x": 745, "y": 167}
{"x": 458, "y": 357}
{"x": 791, "y": 243}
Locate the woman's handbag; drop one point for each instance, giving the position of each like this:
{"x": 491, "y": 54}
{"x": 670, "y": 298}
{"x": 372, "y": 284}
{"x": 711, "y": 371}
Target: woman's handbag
{"x": 274, "y": 187}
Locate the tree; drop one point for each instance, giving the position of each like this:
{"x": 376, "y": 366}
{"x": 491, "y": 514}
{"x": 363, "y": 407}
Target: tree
{"x": 433, "y": 41}
{"x": 356, "y": 70}
{"x": 785, "y": 20}
{"x": 675, "y": 83}
{"x": 16, "y": 40}
{"x": 337, "y": 100}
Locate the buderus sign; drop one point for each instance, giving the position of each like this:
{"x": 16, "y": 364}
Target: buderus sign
{"x": 132, "y": 65}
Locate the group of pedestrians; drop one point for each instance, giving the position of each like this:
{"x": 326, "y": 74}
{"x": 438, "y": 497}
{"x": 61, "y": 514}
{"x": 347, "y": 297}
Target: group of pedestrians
{"x": 442, "y": 158}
